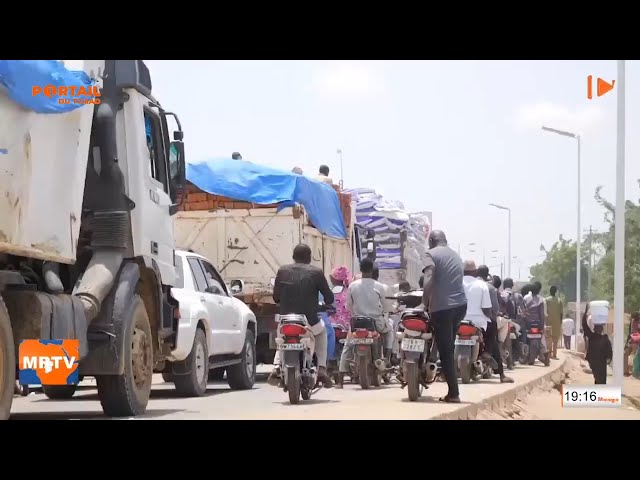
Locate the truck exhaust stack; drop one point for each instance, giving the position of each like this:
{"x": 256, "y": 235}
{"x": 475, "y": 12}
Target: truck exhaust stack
{"x": 105, "y": 198}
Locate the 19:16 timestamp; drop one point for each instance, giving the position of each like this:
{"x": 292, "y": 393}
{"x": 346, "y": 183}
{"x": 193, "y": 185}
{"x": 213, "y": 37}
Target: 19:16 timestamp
{"x": 577, "y": 396}
{"x": 591, "y": 396}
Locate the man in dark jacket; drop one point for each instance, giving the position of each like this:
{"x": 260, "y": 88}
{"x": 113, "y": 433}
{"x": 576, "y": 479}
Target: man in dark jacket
{"x": 599, "y": 350}
{"x": 297, "y": 289}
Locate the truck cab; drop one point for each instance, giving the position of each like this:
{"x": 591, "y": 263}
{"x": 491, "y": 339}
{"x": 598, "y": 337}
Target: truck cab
{"x": 86, "y": 241}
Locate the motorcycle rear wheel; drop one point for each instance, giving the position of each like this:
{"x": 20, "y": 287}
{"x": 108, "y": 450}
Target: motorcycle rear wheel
{"x": 363, "y": 372}
{"x": 413, "y": 382}
{"x": 465, "y": 369}
{"x": 293, "y": 385}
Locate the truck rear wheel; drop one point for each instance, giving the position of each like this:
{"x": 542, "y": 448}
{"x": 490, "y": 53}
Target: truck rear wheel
{"x": 194, "y": 384}
{"x": 7, "y": 363}
{"x": 59, "y": 392}
{"x": 242, "y": 376}
{"x": 128, "y": 394}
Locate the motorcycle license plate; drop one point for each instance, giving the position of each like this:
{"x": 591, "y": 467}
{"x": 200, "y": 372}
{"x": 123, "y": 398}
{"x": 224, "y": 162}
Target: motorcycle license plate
{"x": 460, "y": 341}
{"x": 290, "y": 346}
{"x": 362, "y": 341}
{"x": 512, "y": 335}
{"x": 412, "y": 344}
{"x": 534, "y": 335}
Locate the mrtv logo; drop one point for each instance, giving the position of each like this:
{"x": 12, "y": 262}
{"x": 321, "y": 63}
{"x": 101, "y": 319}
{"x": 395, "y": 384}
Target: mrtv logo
{"x": 49, "y": 362}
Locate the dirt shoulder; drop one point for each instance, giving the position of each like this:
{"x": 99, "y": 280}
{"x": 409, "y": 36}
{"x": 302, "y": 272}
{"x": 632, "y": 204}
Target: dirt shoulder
{"x": 544, "y": 402}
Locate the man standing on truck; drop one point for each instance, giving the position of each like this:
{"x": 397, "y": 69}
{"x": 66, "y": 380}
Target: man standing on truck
{"x": 296, "y": 289}
{"x": 323, "y": 175}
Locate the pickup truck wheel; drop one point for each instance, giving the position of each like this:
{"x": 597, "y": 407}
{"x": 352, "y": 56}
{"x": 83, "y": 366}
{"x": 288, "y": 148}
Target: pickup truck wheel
{"x": 127, "y": 395}
{"x": 7, "y": 363}
{"x": 194, "y": 384}
{"x": 242, "y": 376}
{"x": 59, "y": 392}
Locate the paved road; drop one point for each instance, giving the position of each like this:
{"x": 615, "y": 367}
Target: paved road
{"x": 267, "y": 402}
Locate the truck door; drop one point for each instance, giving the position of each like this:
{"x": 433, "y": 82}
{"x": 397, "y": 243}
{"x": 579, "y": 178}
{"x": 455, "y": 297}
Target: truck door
{"x": 153, "y": 227}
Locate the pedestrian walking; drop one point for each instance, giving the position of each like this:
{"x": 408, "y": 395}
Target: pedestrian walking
{"x": 554, "y": 318}
{"x": 599, "y": 350}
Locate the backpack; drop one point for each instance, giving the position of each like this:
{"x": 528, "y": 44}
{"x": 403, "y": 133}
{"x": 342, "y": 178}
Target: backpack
{"x": 510, "y": 307}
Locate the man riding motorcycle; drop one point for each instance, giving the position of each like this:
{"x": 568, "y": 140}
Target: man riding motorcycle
{"x": 366, "y": 298}
{"x": 297, "y": 288}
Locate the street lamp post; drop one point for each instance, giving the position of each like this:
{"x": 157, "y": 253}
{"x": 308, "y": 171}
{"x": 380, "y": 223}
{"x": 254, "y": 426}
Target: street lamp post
{"x": 509, "y": 234}
{"x": 339, "y": 152}
{"x": 579, "y": 230}
{"x": 618, "y": 288}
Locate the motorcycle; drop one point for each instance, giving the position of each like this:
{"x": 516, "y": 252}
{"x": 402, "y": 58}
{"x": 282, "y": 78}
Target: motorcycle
{"x": 296, "y": 340}
{"x": 369, "y": 363}
{"x": 415, "y": 335}
{"x": 533, "y": 348}
{"x": 469, "y": 346}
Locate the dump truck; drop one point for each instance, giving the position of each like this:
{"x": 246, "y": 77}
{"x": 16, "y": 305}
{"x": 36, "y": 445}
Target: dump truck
{"x": 249, "y": 242}
{"x": 86, "y": 232}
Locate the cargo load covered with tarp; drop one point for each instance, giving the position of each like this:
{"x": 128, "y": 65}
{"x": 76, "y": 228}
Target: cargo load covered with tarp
{"x": 264, "y": 185}
{"x": 46, "y": 86}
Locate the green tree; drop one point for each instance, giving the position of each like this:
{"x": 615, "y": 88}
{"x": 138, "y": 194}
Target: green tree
{"x": 603, "y": 275}
{"x": 559, "y": 269}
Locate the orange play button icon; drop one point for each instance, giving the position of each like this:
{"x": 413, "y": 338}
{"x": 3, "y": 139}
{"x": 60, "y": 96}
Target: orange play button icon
{"x": 604, "y": 87}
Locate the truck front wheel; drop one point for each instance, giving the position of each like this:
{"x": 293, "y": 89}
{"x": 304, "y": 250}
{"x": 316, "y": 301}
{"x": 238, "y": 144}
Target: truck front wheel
{"x": 7, "y": 363}
{"x": 127, "y": 395}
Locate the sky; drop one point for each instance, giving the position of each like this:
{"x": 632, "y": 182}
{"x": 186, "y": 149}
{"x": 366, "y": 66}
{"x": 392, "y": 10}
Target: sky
{"x": 448, "y": 137}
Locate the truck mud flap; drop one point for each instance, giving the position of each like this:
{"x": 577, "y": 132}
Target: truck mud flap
{"x": 106, "y": 342}
{"x": 41, "y": 316}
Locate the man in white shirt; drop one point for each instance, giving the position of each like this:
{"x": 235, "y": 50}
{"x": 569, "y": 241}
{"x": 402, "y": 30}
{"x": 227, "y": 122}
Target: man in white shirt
{"x": 323, "y": 175}
{"x": 478, "y": 298}
{"x": 567, "y": 332}
{"x": 479, "y": 307}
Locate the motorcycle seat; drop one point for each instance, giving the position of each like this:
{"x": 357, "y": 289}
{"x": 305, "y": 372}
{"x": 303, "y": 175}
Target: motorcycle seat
{"x": 293, "y": 318}
{"x": 363, "y": 322}
{"x": 410, "y": 312}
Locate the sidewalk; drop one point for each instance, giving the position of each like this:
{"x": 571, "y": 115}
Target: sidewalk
{"x": 630, "y": 387}
{"x": 501, "y": 397}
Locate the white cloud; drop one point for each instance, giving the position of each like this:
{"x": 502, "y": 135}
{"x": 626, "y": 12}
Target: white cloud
{"x": 347, "y": 79}
{"x": 536, "y": 115}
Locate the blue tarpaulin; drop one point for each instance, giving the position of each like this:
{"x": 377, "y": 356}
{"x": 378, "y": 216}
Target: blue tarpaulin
{"x": 20, "y": 77}
{"x": 250, "y": 182}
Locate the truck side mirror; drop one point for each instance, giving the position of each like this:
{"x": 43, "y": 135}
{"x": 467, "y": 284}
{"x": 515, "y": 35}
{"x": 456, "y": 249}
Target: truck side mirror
{"x": 177, "y": 166}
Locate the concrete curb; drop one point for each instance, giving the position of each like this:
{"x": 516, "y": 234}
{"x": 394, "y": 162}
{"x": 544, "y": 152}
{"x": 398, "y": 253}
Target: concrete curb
{"x": 504, "y": 401}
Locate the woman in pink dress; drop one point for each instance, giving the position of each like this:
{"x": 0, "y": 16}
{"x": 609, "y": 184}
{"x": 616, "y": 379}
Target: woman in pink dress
{"x": 341, "y": 276}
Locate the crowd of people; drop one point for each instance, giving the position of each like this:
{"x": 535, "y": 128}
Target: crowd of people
{"x": 453, "y": 290}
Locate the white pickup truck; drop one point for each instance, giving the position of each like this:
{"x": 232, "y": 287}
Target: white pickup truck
{"x": 216, "y": 332}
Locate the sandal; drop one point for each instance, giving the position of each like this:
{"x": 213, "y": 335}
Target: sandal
{"x": 448, "y": 399}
